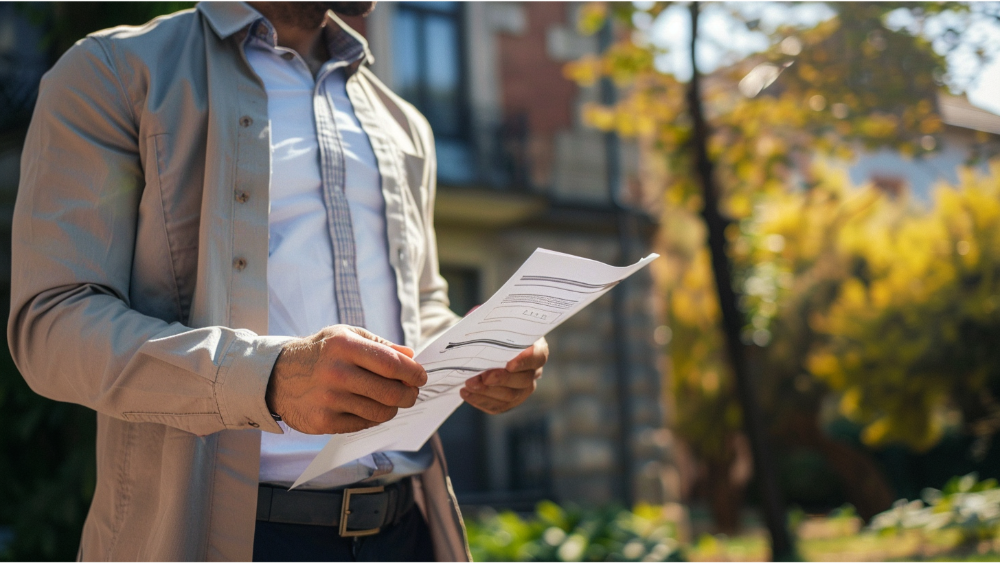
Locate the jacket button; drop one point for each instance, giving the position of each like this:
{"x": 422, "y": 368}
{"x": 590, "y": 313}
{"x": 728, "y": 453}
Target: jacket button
{"x": 240, "y": 264}
{"x": 242, "y": 196}
{"x": 402, "y": 254}
{"x": 252, "y": 423}
{"x": 245, "y": 121}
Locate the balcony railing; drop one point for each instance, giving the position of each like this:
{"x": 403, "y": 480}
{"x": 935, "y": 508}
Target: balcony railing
{"x": 493, "y": 155}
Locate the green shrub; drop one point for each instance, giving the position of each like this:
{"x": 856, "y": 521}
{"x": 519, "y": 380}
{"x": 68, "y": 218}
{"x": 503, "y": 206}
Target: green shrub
{"x": 554, "y": 533}
{"x": 965, "y": 503}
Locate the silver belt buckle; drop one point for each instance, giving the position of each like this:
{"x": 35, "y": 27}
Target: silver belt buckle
{"x": 345, "y": 511}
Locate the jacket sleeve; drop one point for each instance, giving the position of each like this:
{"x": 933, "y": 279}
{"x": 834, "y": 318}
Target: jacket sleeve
{"x": 435, "y": 314}
{"x": 72, "y": 332}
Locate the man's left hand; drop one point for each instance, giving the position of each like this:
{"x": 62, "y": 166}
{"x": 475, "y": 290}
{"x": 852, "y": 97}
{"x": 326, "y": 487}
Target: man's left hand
{"x": 499, "y": 390}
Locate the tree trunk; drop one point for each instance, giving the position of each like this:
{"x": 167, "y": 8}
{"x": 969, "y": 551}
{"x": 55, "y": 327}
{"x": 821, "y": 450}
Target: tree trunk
{"x": 726, "y": 483}
{"x": 732, "y": 319}
{"x": 725, "y": 497}
{"x": 864, "y": 484}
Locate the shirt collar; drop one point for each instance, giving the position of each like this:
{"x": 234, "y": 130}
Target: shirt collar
{"x": 227, "y": 18}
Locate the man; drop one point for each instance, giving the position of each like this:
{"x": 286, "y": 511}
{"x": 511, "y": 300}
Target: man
{"x": 212, "y": 207}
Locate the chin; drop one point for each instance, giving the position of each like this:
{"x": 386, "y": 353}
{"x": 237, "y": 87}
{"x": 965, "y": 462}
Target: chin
{"x": 350, "y": 8}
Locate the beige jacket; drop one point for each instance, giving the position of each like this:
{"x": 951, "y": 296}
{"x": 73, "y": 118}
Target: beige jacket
{"x": 140, "y": 245}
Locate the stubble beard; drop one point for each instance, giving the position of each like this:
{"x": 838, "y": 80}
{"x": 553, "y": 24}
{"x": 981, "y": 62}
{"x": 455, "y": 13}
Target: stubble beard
{"x": 310, "y": 15}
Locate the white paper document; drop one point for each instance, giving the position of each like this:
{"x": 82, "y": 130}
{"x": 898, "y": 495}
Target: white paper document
{"x": 547, "y": 289}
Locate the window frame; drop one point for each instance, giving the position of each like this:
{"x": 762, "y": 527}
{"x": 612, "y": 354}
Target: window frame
{"x": 421, "y": 10}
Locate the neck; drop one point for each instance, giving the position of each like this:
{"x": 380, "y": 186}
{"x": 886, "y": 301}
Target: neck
{"x": 302, "y": 35}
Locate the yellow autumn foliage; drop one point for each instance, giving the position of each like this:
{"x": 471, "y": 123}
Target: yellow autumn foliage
{"x": 852, "y": 299}
{"x": 922, "y": 321}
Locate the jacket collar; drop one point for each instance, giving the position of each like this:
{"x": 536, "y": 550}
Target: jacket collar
{"x": 227, "y": 18}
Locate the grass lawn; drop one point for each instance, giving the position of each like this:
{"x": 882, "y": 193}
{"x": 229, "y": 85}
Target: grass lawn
{"x": 839, "y": 539}
{"x": 962, "y": 523}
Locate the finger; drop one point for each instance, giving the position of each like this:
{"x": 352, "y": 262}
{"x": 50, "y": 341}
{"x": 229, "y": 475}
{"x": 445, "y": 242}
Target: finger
{"x": 365, "y": 408}
{"x": 345, "y": 423}
{"x": 368, "y": 335}
{"x": 477, "y": 380}
{"x": 503, "y": 378}
{"x": 327, "y": 421}
{"x": 530, "y": 358}
{"x": 403, "y": 349}
{"x": 506, "y": 394}
{"x": 376, "y": 355}
{"x": 388, "y": 392}
{"x": 485, "y": 403}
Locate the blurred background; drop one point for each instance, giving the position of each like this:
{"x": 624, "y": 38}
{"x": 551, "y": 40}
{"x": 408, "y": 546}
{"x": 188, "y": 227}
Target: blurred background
{"x": 811, "y": 371}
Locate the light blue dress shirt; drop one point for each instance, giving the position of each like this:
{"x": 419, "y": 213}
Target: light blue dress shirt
{"x": 328, "y": 259}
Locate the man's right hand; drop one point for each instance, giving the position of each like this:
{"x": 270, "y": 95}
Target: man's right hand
{"x": 342, "y": 379}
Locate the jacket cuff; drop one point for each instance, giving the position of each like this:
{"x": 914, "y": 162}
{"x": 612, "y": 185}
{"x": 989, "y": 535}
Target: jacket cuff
{"x": 242, "y": 381}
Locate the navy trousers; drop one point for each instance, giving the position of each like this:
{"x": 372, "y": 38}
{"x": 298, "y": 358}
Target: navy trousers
{"x": 408, "y": 540}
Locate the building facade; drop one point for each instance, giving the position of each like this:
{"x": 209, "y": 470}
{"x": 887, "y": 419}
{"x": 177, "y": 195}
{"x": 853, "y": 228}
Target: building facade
{"x": 971, "y": 136}
{"x": 517, "y": 170}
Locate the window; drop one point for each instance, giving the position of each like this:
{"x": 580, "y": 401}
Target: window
{"x": 891, "y": 185}
{"x": 429, "y": 72}
{"x": 528, "y": 456}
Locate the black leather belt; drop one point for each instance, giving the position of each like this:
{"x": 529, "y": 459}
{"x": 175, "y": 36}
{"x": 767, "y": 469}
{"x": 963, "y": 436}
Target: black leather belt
{"x": 359, "y": 511}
